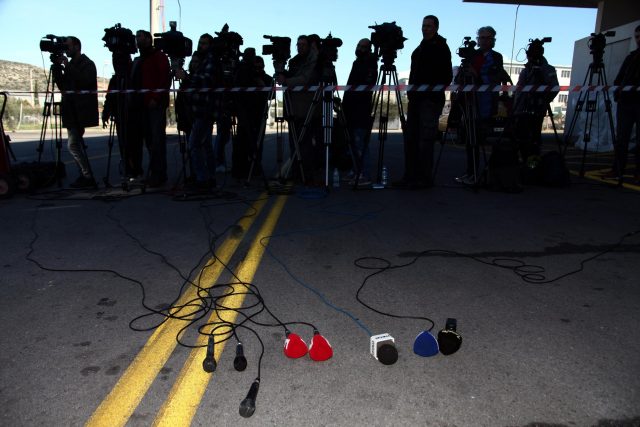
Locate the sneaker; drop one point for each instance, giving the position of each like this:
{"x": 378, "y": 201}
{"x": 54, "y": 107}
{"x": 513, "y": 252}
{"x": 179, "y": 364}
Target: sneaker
{"x": 470, "y": 180}
{"x": 349, "y": 177}
{"x": 362, "y": 182}
{"x": 461, "y": 179}
{"x": 84, "y": 182}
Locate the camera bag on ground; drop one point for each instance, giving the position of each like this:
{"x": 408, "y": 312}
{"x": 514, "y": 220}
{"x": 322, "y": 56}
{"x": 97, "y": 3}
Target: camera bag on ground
{"x": 503, "y": 173}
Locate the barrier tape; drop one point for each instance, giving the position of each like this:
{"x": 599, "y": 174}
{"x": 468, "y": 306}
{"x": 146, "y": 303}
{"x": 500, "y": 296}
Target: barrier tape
{"x": 364, "y": 88}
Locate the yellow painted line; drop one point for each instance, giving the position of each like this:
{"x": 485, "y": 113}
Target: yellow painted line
{"x": 185, "y": 396}
{"x": 595, "y": 175}
{"x": 124, "y": 398}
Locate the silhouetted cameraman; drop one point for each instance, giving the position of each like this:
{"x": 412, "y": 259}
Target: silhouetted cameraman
{"x": 628, "y": 112}
{"x": 202, "y": 102}
{"x": 486, "y": 67}
{"x": 302, "y": 72}
{"x": 150, "y": 70}
{"x": 357, "y": 108}
{"x": 530, "y": 107}
{"x": 75, "y": 72}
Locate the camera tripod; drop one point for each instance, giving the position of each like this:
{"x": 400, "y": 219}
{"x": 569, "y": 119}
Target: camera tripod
{"x": 256, "y": 158}
{"x": 52, "y": 107}
{"x": 595, "y": 70}
{"x": 466, "y": 103}
{"x": 380, "y": 110}
{"x": 324, "y": 94}
{"x": 119, "y": 127}
{"x": 256, "y": 155}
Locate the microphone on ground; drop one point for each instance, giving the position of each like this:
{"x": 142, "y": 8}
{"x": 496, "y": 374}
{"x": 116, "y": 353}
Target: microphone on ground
{"x": 209, "y": 363}
{"x": 240, "y": 362}
{"x": 248, "y": 405}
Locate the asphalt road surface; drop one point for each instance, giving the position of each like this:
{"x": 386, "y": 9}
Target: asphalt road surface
{"x": 543, "y": 284}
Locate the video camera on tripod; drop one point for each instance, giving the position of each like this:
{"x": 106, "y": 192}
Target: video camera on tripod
{"x": 597, "y": 43}
{"x": 120, "y": 40}
{"x": 468, "y": 49}
{"x": 535, "y": 50}
{"x": 56, "y": 45}
{"x": 174, "y": 44}
{"x": 226, "y": 51}
{"x": 327, "y": 55}
{"x": 387, "y": 39}
{"x": 329, "y": 48}
{"x": 279, "y": 49}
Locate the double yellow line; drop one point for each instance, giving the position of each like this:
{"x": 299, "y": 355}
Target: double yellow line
{"x": 184, "y": 398}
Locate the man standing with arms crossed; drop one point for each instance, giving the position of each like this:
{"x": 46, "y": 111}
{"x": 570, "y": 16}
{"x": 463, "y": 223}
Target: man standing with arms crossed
{"x": 430, "y": 64}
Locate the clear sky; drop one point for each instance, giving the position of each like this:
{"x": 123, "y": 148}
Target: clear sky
{"x": 25, "y": 22}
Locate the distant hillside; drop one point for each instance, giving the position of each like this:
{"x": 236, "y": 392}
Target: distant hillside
{"x": 14, "y": 76}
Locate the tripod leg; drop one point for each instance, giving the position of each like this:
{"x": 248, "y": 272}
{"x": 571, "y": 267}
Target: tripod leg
{"x": 298, "y": 139}
{"x": 437, "y": 163}
{"x": 607, "y": 105}
{"x": 110, "y": 145}
{"x": 260, "y": 140}
{"x": 587, "y": 131}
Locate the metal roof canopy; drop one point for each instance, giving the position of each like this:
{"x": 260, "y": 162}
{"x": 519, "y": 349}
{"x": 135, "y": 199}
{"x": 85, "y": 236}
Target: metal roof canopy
{"x": 593, "y": 4}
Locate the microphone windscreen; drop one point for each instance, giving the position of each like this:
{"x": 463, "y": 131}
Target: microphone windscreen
{"x": 449, "y": 341}
{"x": 425, "y": 344}
{"x": 294, "y": 346}
{"x": 320, "y": 349}
{"x": 387, "y": 354}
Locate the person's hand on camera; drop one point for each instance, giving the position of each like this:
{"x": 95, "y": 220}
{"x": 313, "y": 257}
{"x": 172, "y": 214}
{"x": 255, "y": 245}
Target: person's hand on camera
{"x": 105, "y": 122}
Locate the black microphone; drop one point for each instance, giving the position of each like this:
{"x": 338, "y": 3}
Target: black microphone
{"x": 209, "y": 363}
{"x": 240, "y": 362}
{"x": 248, "y": 405}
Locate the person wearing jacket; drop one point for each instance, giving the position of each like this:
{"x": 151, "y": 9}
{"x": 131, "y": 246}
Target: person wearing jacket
{"x": 201, "y": 154}
{"x": 529, "y": 108}
{"x": 75, "y": 72}
{"x": 116, "y": 105}
{"x": 357, "y": 108}
{"x": 486, "y": 66}
{"x": 431, "y": 65}
{"x": 150, "y": 70}
{"x": 627, "y": 113}
{"x": 302, "y": 72}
